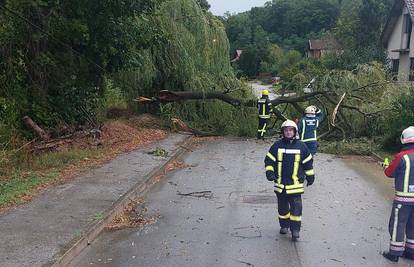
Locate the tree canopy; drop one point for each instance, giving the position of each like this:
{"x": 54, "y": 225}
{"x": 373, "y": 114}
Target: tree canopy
{"x": 289, "y": 24}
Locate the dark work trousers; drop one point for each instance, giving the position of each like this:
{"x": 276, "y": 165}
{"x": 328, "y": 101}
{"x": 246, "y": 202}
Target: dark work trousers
{"x": 402, "y": 226}
{"x": 290, "y": 210}
{"x": 312, "y": 146}
{"x": 261, "y": 129}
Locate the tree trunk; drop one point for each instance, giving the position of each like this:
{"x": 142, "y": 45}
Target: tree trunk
{"x": 33, "y": 126}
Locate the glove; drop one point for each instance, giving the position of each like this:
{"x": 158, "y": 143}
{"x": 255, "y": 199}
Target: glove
{"x": 271, "y": 178}
{"x": 386, "y": 163}
{"x": 309, "y": 182}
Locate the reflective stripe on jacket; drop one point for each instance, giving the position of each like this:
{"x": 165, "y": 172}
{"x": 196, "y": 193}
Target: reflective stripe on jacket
{"x": 288, "y": 164}
{"x": 307, "y": 127}
{"x": 265, "y": 107}
{"x": 402, "y": 169}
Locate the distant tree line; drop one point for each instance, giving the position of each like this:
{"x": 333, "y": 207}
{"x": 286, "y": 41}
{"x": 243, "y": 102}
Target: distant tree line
{"x": 289, "y": 24}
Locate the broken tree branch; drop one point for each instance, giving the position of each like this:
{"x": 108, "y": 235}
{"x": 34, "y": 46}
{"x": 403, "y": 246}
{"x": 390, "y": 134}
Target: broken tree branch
{"x": 335, "y": 111}
{"x": 205, "y": 194}
{"x": 184, "y": 127}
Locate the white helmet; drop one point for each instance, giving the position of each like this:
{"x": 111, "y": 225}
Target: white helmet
{"x": 289, "y": 123}
{"x": 311, "y": 110}
{"x": 407, "y": 135}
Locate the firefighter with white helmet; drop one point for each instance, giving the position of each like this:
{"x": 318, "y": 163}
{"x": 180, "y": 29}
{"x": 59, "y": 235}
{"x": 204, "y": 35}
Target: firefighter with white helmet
{"x": 401, "y": 224}
{"x": 288, "y": 164}
{"x": 308, "y": 126}
{"x": 265, "y": 108}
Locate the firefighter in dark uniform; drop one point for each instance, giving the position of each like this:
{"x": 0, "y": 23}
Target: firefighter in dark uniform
{"x": 401, "y": 226}
{"x": 265, "y": 108}
{"x": 308, "y": 126}
{"x": 288, "y": 164}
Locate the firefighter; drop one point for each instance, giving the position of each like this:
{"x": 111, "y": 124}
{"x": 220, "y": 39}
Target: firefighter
{"x": 308, "y": 126}
{"x": 401, "y": 225}
{"x": 265, "y": 108}
{"x": 288, "y": 164}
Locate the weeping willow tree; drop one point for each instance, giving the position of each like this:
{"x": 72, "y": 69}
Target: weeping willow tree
{"x": 192, "y": 57}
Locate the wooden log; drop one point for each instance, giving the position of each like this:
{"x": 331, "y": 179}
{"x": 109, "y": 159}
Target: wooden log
{"x": 44, "y": 136}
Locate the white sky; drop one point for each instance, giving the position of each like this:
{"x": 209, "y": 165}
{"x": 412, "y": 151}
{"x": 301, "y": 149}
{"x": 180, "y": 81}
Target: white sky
{"x": 219, "y": 7}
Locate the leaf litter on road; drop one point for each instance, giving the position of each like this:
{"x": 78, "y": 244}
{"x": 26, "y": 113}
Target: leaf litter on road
{"x": 133, "y": 216}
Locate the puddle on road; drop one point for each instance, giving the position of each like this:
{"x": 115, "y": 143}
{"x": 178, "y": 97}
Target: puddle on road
{"x": 373, "y": 173}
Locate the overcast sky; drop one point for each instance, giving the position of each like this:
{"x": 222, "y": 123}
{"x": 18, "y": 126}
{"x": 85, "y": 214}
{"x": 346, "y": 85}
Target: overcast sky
{"x": 219, "y": 7}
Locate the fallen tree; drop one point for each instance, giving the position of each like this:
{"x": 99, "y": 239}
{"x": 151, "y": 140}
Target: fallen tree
{"x": 353, "y": 100}
{"x": 330, "y": 97}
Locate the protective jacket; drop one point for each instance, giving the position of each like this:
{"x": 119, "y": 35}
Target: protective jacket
{"x": 307, "y": 126}
{"x": 402, "y": 169}
{"x": 289, "y": 163}
{"x": 265, "y": 107}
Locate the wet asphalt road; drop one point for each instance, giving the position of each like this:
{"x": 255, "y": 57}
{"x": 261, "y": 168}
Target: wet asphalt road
{"x": 344, "y": 220}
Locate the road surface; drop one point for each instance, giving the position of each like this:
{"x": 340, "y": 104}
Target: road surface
{"x": 345, "y": 215}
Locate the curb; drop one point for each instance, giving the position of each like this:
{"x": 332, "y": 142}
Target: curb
{"x": 75, "y": 247}
{"x": 376, "y": 156}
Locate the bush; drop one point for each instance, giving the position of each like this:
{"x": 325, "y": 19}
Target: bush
{"x": 398, "y": 119}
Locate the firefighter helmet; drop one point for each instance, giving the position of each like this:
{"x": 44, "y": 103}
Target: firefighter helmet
{"x": 407, "y": 135}
{"x": 289, "y": 123}
{"x": 265, "y": 92}
{"x": 292, "y": 124}
{"x": 311, "y": 110}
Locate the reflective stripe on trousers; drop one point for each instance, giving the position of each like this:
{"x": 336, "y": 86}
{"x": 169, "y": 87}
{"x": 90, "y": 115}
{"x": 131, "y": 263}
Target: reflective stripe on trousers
{"x": 290, "y": 210}
{"x": 401, "y": 226}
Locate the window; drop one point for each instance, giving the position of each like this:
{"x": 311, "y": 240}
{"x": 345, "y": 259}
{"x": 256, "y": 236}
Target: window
{"x": 408, "y": 26}
{"x": 394, "y": 68}
{"x": 408, "y": 23}
{"x": 411, "y": 76}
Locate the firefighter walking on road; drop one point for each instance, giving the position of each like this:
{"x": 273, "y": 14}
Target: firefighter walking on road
{"x": 308, "y": 126}
{"x": 265, "y": 108}
{"x": 401, "y": 225}
{"x": 288, "y": 164}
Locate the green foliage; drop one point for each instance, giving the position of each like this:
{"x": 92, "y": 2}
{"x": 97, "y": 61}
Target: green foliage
{"x": 11, "y": 190}
{"x": 356, "y": 24}
{"x": 85, "y": 57}
{"x": 203, "y": 4}
{"x": 24, "y": 175}
{"x": 196, "y": 59}
{"x": 400, "y": 117}
{"x": 368, "y": 88}
{"x": 358, "y": 146}
{"x": 289, "y": 24}
{"x": 56, "y": 54}
{"x": 159, "y": 152}
{"x": 113, "y": 98}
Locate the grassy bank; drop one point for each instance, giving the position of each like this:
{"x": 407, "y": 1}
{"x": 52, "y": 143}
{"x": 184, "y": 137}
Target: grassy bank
{"x": 359, "y": 146}
{"x": 23, "y": 174}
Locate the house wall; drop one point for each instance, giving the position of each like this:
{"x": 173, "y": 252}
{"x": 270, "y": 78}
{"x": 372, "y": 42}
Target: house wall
{"x": 395, "y": 42}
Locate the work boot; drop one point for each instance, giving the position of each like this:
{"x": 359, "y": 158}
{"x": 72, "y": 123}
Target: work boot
{"x": 390, "y": 257}
{"x": 295, "y": 235}
{"x": 407, "y": 255}
{"x": 283, "y": 231}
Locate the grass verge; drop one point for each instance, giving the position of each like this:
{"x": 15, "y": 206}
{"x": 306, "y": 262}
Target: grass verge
{"x": 23, "y": 175}
{"x": 21, "y": 181}
{"x": 360, "y": 146}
